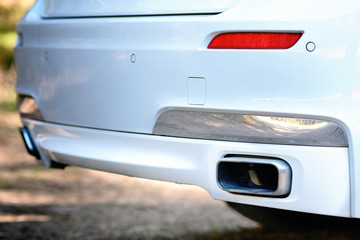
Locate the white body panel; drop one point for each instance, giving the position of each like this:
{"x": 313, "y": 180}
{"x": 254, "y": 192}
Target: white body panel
{"x": 81, "y": 73}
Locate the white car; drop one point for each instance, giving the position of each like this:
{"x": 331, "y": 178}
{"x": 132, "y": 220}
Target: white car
{"x": 257, "y": 102}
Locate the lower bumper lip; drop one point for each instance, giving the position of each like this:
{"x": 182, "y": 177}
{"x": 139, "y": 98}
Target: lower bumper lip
{"x": 192, "y": 161}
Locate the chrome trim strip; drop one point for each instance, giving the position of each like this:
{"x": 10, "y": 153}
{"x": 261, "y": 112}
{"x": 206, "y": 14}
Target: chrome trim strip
{"x": 250, "y": 128}
{"x": 284, "y": 177}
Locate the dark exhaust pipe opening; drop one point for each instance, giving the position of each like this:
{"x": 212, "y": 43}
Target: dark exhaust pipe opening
{"x": 248, "y": 175}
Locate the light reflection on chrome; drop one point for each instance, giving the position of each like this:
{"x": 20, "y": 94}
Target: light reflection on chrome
{"x": 28, "y": 107}
{"x": 250, "y": 128}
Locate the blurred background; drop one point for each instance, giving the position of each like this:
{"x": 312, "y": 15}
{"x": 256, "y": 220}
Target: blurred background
{"x": 41, "y": 203}
{"x": 10, "y": 13}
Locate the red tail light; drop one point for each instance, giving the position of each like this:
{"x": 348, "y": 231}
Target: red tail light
{"x": 254, "y": 40}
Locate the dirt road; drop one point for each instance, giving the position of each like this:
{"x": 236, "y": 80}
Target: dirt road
{"x": 40, "y": 203}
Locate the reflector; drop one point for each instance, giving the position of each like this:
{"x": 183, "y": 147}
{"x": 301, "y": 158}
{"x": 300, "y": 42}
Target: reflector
{"x": 254, "y": 40}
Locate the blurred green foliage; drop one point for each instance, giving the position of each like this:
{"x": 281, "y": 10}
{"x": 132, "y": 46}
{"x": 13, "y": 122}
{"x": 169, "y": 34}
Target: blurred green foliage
{"x": 11, "y": 12}
{"x": 7, "y": 43}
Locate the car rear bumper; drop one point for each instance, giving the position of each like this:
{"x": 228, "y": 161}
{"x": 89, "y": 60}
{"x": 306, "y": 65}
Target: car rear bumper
{"x": 320, "y": 175}
{"x": 120, "y": 74}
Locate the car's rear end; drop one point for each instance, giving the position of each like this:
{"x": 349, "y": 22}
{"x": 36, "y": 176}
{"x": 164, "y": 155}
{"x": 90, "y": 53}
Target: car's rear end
{"x": 255, "y": 101}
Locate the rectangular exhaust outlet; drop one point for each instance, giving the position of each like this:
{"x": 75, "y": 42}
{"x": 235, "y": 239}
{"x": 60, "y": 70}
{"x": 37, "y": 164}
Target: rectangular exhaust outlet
{"x": 254, "y": 175}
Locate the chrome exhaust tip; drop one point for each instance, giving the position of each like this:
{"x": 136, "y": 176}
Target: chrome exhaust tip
{"x": 32, "y": 150}
{"x": 29, "y": 143}
{"x": 254, "y": 175}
